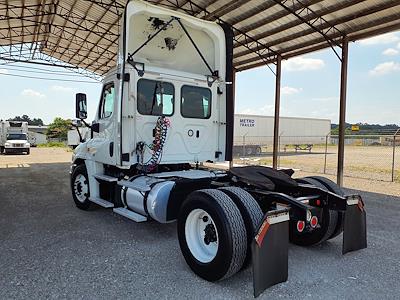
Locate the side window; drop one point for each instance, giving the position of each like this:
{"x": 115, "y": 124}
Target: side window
{"x": 155, "y": 98}
{"x": 195, "y": 102}
{"x": 107, "y": 101}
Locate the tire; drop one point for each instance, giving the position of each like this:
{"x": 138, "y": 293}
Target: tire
{"x": 251, "y": 213}
{"x": 80, "y": 187}
{"x": 249, "y": 151}
{"x": 224, "y": 256}
{"x": 334, "y": 188}
{"x": 258, "y": 150}
{"x": 320, "y": 234}
{"x": 28, "y": 152}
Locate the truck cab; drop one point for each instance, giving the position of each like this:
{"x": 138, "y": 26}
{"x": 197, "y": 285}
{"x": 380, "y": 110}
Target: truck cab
{"x": 169, "y": 79}
{"x": 14, "y": 137}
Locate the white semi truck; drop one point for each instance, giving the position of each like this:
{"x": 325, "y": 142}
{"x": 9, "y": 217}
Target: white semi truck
{"x": 253, "y": 133}
{"x": 165, "y": 109}
{"x": 14, "y": 137}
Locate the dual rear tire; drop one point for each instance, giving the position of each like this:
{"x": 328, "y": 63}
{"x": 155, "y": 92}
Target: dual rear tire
{"x": 330, "y": 221}
{"x": 215, "y": 228}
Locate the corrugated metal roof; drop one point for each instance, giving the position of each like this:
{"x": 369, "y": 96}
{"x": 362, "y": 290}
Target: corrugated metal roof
{"x": 84, "y": 33}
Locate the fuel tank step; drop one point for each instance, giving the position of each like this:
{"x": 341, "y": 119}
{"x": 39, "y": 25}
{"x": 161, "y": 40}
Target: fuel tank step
{"x": 134, "y": 186}
{"x": 101, "y": 202}
{"x": 105, "y": 178}
{"x": 129, "y": 214}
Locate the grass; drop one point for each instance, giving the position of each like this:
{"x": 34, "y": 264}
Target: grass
{"x": 53, "y": 145}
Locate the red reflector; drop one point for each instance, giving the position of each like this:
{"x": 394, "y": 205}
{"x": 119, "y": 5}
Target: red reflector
{"x": 300, "y": 226}
{"x": 314, "y": 222}
{"x": 318, "y": 202}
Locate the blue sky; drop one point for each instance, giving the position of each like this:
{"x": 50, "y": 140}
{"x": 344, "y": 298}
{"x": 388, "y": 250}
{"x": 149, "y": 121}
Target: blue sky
{"x": 310, "y": 87}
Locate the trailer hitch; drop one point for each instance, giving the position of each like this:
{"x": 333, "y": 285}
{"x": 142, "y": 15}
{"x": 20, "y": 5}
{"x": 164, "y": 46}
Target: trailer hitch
{"x": 270, "y": 251}
{"x": 355, "y": 225}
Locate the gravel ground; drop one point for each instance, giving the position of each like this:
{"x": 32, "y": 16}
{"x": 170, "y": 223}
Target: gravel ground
{"x": 51, "y": 249}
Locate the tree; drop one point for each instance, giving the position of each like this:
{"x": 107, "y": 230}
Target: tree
{"x": 59, "y": 128}
{"x": 25, "y": 118}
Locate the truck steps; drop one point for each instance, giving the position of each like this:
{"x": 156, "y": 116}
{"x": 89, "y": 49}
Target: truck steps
{"x": 101, "y": 202}
{"x": 130, "y": 214}
{"x": 134, "y": 186}
{"x": 105, "y": 178}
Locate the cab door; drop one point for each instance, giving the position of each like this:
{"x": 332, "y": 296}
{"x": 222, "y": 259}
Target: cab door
{"x": 199, "y": 119}
{"x": 103, "y": 145}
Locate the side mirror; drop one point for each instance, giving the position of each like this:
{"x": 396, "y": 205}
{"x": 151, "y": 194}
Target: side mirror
{"x": 80, "y": 106}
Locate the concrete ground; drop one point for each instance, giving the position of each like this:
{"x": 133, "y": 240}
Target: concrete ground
{"x": 51, "y": 249}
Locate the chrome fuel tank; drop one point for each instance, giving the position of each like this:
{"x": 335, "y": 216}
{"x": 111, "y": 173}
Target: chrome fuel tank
{"x": 147, "y": 196}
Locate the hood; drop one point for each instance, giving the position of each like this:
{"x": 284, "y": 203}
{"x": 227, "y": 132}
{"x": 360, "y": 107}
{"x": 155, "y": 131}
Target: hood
{"x": 17, "y": 141}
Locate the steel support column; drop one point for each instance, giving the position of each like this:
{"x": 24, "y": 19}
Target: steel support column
{"x": 277, "y": 111}
{"x": 342, "y": 112}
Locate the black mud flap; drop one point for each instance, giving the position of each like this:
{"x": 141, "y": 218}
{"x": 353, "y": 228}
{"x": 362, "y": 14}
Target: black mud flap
{"x": 355, "y": 225}
{"x": 270, "y": 251}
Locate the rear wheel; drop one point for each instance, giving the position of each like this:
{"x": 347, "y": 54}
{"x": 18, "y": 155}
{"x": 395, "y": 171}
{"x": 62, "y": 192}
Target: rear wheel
{"x": 80, "y": 187}
{"x": 212, "y": 235}
{"x": 251, "y": 213}
{"x": 249, "y": 151}
{"x": 334, "y": 188}
{"x": 327, "y": 224}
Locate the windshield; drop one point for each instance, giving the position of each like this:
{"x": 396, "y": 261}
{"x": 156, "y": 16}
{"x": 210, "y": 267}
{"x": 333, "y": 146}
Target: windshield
{"x": 16, "y": 136}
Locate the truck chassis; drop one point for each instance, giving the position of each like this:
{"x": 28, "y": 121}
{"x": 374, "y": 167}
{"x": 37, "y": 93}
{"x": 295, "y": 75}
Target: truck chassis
{"x": 225, "y": 219}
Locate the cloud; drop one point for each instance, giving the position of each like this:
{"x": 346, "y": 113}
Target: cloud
{"x": 303, "y": 64}
{"x": 287, "y": 90}
{"x": 386, "y": 38}
{"x": 265, "y": 110}
{"x": 390, "y": 52}
{"x": 326, "y": 99}
{"x": 59, "y": 88}
{"x": 33, "y": 94}
{"x": 3, "y": 71}
{"x": 385, "y": 68}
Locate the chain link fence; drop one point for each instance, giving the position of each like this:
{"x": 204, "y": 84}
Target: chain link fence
{"x": 375, "y": 157}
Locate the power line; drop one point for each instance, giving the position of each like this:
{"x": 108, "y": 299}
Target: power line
{"x": 40, "y": 69}
{"x": 43, "y": 72}
{"x": 51, "y": 79}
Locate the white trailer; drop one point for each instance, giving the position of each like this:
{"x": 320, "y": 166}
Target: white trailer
{"x": 253, "y": 133}
{"x": 167, "y": 109}
{"x": 14, "y": 137}
{"x": 74, "y": 138}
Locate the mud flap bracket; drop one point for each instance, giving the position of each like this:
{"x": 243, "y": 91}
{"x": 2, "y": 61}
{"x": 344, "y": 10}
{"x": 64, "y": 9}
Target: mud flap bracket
{"x": 355, "y": 225}
{"x": 270, "y": 251}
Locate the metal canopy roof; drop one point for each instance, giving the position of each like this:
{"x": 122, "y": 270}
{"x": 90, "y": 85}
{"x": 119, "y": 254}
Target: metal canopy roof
{"x": 84, "y": 33}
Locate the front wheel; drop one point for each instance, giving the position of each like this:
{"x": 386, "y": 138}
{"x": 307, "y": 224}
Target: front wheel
{"x": 212, "y": 234}
{"x": 80, "y": 187}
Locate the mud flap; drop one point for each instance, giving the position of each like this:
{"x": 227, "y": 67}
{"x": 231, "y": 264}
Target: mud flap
{"x": 270, "y": 251}
{"x": 355, "y": 225}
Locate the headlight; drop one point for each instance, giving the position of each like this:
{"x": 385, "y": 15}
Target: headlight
{"x": 7, "y": 145}
{"x": 27, "y": 145}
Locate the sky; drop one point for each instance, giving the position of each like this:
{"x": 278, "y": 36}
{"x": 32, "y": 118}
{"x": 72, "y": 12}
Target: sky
{"x": 310, "y": 87}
